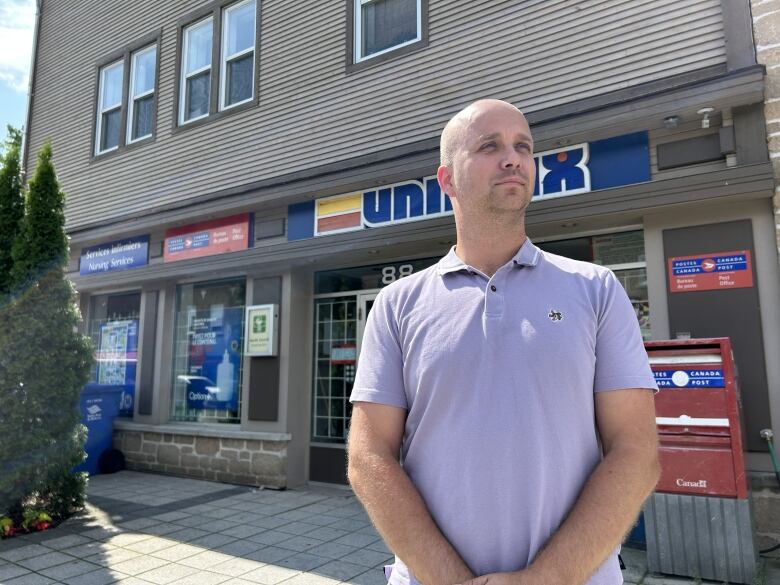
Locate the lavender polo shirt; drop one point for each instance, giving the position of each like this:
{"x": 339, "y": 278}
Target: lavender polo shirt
{"x": 497, "y": 376}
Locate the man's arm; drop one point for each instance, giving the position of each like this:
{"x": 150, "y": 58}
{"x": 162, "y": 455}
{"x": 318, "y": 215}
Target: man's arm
{"x": 609, "y": 501}
{"x": 391, "y": 500}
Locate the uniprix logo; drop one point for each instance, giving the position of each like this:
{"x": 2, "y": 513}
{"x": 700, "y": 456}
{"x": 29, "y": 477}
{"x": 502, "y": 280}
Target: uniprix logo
{"x": 558, "y": 172}
{"x": 563, "y": 171}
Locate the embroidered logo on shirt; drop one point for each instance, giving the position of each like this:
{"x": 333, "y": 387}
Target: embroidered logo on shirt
{"x": 555, "y": 316}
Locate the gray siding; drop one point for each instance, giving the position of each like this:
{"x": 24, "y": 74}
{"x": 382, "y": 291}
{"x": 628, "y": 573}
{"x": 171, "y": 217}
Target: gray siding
{"x": 535, "y": 53}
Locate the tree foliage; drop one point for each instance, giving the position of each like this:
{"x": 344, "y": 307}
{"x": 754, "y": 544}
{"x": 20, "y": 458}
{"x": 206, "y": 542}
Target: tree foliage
{"x": 44, "y": 362}
{"x": 11, "y": 205}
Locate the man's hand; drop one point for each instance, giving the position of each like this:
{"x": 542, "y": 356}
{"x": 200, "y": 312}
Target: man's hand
{"x": 516, "y": 578}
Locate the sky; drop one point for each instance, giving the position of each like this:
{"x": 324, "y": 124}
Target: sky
{"x": 17, "y": 21}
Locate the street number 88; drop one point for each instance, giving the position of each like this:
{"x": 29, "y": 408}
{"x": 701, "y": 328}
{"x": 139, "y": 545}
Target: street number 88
{"x": 392, "y": 273}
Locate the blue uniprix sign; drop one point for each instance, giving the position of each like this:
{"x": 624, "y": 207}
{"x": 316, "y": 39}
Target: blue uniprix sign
{"x": 570, "y": 170}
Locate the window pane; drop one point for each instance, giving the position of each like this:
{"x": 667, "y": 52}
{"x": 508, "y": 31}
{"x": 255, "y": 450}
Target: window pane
{"x": 142, "y": 116}
{"x": 113, "y": 327}
{"x": 112, "y": 86}
{"x": 387, "y": 23}
{"x": 198, "y": 39}
{"x": 207, "y": 360}
{"x": 109, "y": 130}
{"x": 143, "y": 71}
{"x": 239, "y": 79}
{"x": 240, "y": 28}
{"x": 198, "y": 95}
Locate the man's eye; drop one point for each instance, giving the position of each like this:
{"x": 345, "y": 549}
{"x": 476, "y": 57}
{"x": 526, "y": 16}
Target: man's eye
{"x": 523, "y": 147}
{"x": 488, "y": 146}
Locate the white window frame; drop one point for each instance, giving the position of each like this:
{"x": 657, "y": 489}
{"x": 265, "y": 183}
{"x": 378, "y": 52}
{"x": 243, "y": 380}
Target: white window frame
{"x": 102, "y": 110}
{"x": 185, "y": 76}
{"x": 131, "y": 97}
{"x": 225, "y": 58}
{"x": 358, "y": 34}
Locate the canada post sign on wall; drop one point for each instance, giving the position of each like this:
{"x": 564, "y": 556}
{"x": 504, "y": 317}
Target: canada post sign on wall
{"x": 718, "y": 271}
{"x": 229, "y": 234}
{"x": 571, "y": 170}
{"x": 113, "y": 256}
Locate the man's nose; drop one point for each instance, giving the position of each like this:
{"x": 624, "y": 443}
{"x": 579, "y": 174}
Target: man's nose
{"x": 510, "y": 159}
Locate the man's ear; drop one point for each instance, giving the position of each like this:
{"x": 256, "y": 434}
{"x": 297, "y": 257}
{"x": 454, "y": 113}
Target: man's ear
{"x": 444, "y": 176}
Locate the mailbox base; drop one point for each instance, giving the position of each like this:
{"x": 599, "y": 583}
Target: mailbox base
{"x": 701, "y": 536}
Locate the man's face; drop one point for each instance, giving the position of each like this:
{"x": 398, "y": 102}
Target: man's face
{"x": 492, "y": 171}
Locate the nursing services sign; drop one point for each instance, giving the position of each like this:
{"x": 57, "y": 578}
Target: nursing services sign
{"x": 571, "y": 170}
{"x": 113, "y": 256}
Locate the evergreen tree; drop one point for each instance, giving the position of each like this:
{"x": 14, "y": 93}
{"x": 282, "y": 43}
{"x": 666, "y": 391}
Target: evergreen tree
{"x": 44, "y": 363}
{"x": 11, "y": 205}
{"x": 43, "y": 245}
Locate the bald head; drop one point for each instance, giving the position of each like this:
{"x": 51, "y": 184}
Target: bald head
{"x": 454, "y": 133}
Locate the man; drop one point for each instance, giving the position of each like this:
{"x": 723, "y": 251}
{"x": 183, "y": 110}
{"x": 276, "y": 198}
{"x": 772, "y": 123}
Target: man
{"x": 513, "y": 383}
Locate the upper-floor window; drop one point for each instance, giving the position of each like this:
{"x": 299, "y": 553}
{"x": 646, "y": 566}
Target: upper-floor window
{"x": 109, "y": 107}
{"x": 125, "y": 111}
{"x": 196, "y": 71}
{"x": 226, "y": 67}
{"x": 382, "y": 26}
{"x": 238, "y": 54}
{"x": 141, "y": 102}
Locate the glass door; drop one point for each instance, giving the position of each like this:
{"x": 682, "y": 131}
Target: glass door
{"x": 365, "y": 302}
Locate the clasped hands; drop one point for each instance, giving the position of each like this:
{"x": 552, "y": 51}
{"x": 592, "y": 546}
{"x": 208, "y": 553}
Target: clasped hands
{"x": 516, "y": 578}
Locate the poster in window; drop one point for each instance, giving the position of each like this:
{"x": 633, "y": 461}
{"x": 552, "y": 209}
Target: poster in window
{"x": 117, "y": 357}
{"x": 214, "y": 338}
{"x": 261, "y": 330}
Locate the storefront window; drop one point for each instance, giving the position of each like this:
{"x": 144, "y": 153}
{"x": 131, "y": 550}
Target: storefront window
{"x": 113, "y": 327}
{"x": 624, "y": 253}
{"x": 208, "y": 343}
{"x": 336, "y": 346}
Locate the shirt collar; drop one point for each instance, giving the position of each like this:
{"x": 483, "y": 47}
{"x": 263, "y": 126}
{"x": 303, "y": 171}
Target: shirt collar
{"x": 527, "y": 255}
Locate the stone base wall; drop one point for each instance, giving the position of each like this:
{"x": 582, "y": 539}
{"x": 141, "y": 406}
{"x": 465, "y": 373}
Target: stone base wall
{"x": 239, "y": 461}
{"x": 766, "y": 511}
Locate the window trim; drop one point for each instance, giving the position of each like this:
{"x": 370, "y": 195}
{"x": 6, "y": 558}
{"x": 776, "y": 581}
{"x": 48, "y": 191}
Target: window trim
{"x": 124, "y": 54}
{"x": 132, "y": 98}
{"x": 224, "y": 59}
{"x": 214, "y": 10}
{"x": 101, "y": 111}
{"x": 356, "y": 62}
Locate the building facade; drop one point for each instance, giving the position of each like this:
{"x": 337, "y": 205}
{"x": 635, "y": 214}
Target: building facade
{"x": 244, "y": 176}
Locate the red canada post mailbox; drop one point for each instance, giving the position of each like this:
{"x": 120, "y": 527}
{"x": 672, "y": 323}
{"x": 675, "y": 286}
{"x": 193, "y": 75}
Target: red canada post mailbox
{"x": 699, "y": 522}
{"x": 698, "y": 416}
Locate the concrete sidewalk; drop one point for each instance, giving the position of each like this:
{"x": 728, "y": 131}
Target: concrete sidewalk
{"x": 142, "y": 528}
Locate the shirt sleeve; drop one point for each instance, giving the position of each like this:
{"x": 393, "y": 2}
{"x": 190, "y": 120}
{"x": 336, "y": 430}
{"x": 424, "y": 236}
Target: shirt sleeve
{"x": 621, "y": 359}
{"x": 379, "y": 376}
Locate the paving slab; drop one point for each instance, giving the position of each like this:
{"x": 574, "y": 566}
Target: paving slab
{"x": 45, "y": 561}
{"x": 9, "y": 571}
{"x": 31, "y": 579}
{"x": 73, "y": 568}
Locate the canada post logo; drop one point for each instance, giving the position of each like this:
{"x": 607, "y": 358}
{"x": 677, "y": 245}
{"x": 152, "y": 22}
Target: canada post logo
{"x": 614, "y": 162}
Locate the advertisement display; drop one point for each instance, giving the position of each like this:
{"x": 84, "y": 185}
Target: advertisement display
{"x": 214, "y": 342}
{"x": 261, "y": 330}
{"x": 229, "y": 234}
{"x": 715, "y": 271}
{"x": 117, "y": 357}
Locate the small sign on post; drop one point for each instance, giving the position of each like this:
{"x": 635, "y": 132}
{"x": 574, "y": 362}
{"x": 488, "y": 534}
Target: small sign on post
{"x": 261, "y": 330}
